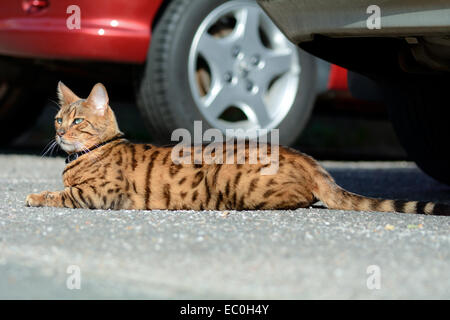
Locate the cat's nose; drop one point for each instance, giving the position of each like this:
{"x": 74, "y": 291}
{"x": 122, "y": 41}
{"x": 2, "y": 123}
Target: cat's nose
{"x": 60, "y": 132}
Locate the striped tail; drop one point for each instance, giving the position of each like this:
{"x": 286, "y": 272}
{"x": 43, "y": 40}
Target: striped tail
{"x": 335, "y": 197}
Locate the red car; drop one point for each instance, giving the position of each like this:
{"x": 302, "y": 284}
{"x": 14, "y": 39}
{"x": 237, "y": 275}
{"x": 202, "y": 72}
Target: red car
{"x": 223, "y": 62}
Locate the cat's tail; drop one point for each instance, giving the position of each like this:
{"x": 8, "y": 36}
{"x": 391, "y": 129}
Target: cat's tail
{"x": 335, "y": 197}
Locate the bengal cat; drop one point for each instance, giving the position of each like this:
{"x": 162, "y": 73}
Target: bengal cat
{"x": 105, "y": 171}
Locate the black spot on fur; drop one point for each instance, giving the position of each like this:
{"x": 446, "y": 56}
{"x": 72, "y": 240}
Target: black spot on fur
{"x": 197, "y": 179}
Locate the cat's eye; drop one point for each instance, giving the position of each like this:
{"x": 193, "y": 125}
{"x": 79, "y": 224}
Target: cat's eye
{"x": 78, "y": 121}
{"x": 59, "y": 120}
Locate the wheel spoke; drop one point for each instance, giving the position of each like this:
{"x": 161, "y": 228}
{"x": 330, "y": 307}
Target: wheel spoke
{"x": 248, "y": 22}
{"x": 277, "y": 63}
{"x": 214, "y": 50}
{"x": 263, "y": 116}
{"x": 217, "y": 101}
{"x": 259, "y": 113}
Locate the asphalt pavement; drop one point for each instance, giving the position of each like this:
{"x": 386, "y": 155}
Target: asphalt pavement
{"x": 314, "y": 253}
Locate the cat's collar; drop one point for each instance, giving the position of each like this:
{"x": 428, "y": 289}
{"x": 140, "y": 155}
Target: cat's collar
{"x": 74, "y": 156}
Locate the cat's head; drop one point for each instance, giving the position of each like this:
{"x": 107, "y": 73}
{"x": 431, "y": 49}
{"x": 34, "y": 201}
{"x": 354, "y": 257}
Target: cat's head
{"x": 84, "y": 123}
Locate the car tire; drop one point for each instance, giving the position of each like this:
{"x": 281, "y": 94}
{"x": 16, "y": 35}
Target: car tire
{"x": 420, "y": 114}
{"x": 165, "y": 93}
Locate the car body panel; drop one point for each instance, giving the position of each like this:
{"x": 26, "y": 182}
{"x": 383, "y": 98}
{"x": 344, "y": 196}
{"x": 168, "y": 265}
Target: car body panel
{"x": 111, "y": 30}
{"x": 301, "y": 20}
{"x": 338, "y": 78}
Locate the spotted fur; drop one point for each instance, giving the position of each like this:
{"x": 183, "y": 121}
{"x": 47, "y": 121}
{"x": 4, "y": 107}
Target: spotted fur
{"x": 123, "y": 175}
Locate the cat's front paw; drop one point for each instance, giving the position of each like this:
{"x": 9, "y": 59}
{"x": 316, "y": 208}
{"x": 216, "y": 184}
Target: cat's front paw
{"x": 36, "y": 199}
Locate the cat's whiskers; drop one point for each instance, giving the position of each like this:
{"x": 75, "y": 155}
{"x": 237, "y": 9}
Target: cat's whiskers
{"x": 86, "y": 150}
{"x": 55, "y": 147}
{"x": 48, "y": 144}
{"x": 49, "y": 147}
{"x": 58, "y": 147}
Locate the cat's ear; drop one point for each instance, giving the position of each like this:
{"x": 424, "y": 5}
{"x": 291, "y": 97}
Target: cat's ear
{"x": 65, "y": 95}
{"x": 98, "y": 99}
